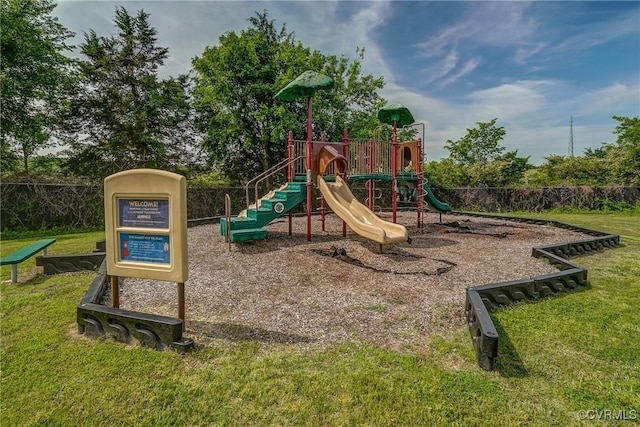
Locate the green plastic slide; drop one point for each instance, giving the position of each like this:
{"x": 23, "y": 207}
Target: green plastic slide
{"x": 433, "y": 201}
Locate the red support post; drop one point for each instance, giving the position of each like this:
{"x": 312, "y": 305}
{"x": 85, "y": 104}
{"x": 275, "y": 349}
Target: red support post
{"x": 345, "y": 153}
{"x": 290, "y": 155}
{"x": 323, "y": 139}
{"x": 394, "y": 176}
{"x": 290, "y": 173}
{"x": 309, "y": 173}
{"x": 419, "y": 185}
{"x": 345, "y": 146}
{"x": 370, "y": 170}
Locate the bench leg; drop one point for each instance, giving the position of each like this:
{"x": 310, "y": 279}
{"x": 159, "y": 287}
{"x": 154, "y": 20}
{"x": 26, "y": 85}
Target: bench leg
{"x": 14, "y": 273}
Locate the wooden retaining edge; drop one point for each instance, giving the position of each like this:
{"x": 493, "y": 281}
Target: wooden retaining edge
{"x": 99, "y": 321}
{"x": 160, "y": 331}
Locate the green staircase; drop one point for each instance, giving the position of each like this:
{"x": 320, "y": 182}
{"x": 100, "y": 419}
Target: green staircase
{"x": 251, "y": 223}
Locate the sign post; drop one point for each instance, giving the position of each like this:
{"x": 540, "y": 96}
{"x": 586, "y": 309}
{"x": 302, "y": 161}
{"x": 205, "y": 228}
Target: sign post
{"x": 146, "y": 229}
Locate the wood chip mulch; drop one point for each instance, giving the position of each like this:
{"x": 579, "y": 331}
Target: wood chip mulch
{"x": 285, "y": 291}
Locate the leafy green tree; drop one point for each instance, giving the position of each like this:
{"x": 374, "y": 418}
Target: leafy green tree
{"x": 8, "y": 159}
{"x": 513, "y": 167}
{"x": 599, "y": 153}
{"x": 480, "y": 145}
{"x": 246, "y": 128}
{"x": 624, "y": 157}
{"x": 35, "y": 80}
{"x": 481, "y": 159}
{"x": 569, "y": 171}
{"x": 446, "y": 174}
{"x": 506, "y": 170}
{"x": 617, "y": 163}
{"x": 126, "y": 117}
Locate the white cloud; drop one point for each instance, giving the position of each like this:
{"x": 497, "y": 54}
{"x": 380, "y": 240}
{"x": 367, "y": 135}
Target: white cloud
{"x": 441, "y": 68}
{"x": 536, "y": 125}
{"x": 443, "y": 42}
{"x": 599, "y": 33}
{"x": 614, "y": 98}
{"x": 516, "y": 100}
{"x": 467, "y": 68}
{"x": 358, "y": 30}
{"x": 502, "y": 23}
{"x": 524, "y": 53}
{"x": 534, "y": 112}
{"x": 485, "y": 25}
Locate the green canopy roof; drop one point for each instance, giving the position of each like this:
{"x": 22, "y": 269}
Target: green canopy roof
{"x": 395, "y": 113}
{"x": 305, "y": 85}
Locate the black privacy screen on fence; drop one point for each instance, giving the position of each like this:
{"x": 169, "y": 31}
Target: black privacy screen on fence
{"x": 38, "y": 206}
{"x": 539, "y": 199}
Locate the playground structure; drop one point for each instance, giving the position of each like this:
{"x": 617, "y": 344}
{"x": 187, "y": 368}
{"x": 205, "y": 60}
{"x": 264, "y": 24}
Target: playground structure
{"x": 331, "y": 166}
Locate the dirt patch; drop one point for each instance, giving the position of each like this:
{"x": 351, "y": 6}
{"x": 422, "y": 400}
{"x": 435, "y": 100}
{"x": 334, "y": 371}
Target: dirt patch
{"x": 341, "y": 254}
{"x": 287, "y": 291}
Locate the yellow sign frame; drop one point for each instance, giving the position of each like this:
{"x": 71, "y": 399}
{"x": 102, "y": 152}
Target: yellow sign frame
{"x": 146, "y": 225}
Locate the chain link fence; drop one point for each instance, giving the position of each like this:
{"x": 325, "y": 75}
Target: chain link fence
{"x": 41, "y": 206}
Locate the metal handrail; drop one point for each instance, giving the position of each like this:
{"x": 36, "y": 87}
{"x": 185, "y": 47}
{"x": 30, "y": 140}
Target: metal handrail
{"x": 227, "y": 216}
{"x": 264, "y": 175}
{"x": 271, "y": 174}
{"x": 246, "y": 186}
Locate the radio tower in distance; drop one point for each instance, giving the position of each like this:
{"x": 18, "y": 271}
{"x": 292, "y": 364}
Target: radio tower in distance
{"x": 571, "y": 138}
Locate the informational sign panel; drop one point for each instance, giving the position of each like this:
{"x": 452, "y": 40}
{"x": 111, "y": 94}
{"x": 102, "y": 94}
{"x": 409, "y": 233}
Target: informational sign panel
{"x": 143, "y": 213}
{"x": 145, "y": 248}
{"x": 146, "y": 225}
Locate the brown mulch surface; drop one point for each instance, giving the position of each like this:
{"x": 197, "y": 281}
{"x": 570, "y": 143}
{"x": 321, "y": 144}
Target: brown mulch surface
{"x": 287, "y": 291}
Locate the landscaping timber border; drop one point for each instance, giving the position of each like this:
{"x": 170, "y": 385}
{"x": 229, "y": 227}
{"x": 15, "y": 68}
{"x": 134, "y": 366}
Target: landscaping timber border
{"x": 483, "y": 299}
{"x": 161, "y": 332}
{"x": 99, "y": 321}
{"x": 58, "y": 264}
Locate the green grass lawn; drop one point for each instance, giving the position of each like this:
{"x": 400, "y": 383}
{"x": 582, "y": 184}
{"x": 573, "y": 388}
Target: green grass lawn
{"x": 557, "y": 357}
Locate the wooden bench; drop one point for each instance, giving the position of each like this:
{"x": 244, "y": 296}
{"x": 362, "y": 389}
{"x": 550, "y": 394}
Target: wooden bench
{"x": 25, "y": 253}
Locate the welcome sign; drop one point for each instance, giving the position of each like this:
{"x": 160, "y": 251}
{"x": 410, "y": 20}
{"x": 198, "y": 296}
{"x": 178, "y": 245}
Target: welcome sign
{"x": 146, "y": 225}
{"x": 143, "y": 213}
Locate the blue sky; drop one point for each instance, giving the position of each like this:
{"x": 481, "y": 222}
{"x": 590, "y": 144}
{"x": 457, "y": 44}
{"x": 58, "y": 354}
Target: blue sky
{"x": 532, "y": 65}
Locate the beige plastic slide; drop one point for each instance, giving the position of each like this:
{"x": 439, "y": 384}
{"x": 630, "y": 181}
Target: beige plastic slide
{"x": 357, "y": 216}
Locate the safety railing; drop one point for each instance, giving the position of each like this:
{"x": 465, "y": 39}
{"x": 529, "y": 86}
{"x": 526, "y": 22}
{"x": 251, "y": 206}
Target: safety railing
{"x": 265, "y": 175}
{"x": 227, "y": 216}
{"x": 370, "y": 202}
